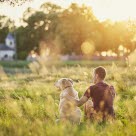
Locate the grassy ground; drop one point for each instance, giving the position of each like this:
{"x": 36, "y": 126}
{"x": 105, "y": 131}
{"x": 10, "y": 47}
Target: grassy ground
{"x": 29, "y": 101}
{"x": 24, "y": 64}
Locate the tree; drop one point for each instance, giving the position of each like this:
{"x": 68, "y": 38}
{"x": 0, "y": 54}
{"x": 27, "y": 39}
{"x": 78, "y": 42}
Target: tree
{"x": 40, "y": 26}
{"x": 27, "y": 13}
{"x": 50, "y": 8}
{"x": 28, "y": 37}
{"x": 69, "y": 29}
{"x": 6, "y": 26}
{"x": 14, "y": 2}
{"x": 119, "y": 34}
{"x": 76, "y": 26}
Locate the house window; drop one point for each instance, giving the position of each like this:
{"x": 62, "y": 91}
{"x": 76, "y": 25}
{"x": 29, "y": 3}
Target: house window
{"x": 10, "y": 43}
{"x": 5, "y": 56}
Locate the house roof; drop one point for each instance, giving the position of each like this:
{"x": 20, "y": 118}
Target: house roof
{"x": 4, "y": 47}
{"x": 10, "y": 36}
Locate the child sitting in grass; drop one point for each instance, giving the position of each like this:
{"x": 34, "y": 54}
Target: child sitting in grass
{"x": 102, "y": 95}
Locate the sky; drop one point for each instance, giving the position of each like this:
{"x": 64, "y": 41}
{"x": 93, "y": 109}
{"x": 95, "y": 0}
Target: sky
{"x": 114, "y": 10}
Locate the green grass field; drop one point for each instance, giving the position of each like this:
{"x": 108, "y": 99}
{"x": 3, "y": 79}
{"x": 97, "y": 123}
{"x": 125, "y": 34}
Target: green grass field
{"x": 29, "y": 101}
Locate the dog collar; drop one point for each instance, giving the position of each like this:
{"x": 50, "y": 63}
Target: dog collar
{"x": 67, "y": 87}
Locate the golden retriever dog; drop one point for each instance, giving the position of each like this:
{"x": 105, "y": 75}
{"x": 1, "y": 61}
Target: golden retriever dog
{"x": 67, "y": 109}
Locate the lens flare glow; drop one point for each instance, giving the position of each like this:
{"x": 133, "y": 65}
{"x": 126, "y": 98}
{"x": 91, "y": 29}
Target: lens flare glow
{"x": 87, "y": 48}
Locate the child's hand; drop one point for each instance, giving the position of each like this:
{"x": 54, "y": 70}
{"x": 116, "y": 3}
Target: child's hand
{"x": 112, "y": 90}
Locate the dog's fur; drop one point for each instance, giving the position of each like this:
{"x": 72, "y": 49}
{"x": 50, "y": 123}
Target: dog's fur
{"x": 68, "y": 110}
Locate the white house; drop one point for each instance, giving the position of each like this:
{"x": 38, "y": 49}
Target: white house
{"x": 7, "y": 49}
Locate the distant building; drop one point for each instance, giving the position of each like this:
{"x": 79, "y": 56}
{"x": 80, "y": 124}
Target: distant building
{"x": 7, "y": 49}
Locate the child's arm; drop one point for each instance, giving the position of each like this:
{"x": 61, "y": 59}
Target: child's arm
{"x": 113, "y": 92}
{"x": 79, "y": 102}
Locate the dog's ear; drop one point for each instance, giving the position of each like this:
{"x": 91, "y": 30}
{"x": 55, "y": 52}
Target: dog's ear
{"x": 64, "y": 81}
{"x": 71, "y": 81}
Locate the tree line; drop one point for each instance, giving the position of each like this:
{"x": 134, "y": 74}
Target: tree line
{"x": 64, "y": 31}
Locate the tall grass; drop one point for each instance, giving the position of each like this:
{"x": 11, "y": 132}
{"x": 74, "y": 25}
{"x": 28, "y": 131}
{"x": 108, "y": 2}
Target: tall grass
{"x": 29, "y": 103}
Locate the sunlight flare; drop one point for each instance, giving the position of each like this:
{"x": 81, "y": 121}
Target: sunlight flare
{"x": 87, "y": 47}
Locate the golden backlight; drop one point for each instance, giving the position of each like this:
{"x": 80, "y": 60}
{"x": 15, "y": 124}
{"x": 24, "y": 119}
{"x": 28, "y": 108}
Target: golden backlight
{"x": 87, "y": 47}
{"x": 103, "y": 9}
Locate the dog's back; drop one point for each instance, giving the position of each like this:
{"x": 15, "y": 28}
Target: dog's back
{"x": 67, "y": 108}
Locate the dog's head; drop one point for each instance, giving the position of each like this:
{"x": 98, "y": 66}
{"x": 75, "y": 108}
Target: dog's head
{"x": 64, "y": 83}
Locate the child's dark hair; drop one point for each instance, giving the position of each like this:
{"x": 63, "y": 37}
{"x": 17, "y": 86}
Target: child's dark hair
{"x": 101, "y": 71}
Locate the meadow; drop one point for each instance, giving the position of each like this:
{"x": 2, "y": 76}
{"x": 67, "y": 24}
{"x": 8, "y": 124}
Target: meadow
{"x": 29, "y": 101}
